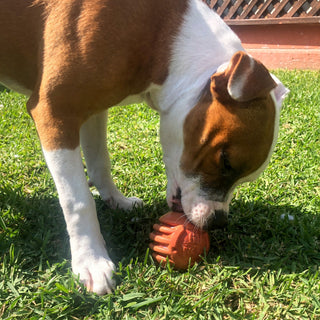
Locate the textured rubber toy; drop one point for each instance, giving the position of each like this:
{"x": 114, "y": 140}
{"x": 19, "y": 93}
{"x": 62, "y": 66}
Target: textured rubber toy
{"x": 178, "y": 240}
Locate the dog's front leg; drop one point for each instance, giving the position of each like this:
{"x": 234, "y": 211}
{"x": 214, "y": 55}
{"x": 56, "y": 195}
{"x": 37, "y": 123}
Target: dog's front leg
{"x": 93, "y": 143}
{"x": 60, "y": 142}
{"x": 90, "y": 259}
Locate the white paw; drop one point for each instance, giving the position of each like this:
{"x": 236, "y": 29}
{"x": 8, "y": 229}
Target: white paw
{"x": 121, "y": 202}
{"x": 96, "y": 273}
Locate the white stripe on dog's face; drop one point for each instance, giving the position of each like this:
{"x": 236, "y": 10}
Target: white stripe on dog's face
{"x": 213, "y": 144}
{"x": 225, "y": 142}
{"x": 194, "y": 59}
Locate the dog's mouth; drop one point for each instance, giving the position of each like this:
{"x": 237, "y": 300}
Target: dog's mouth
{"x": 176, "y": 202}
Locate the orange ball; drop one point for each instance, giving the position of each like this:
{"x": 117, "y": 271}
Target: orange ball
{"x": 178, "y": 240}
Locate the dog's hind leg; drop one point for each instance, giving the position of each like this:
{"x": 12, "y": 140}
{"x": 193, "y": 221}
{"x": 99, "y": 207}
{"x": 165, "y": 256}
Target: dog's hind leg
{"x": 94, "y": 147}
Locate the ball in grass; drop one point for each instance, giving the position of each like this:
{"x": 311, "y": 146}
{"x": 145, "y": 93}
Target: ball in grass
{"x": 178, "y": 241}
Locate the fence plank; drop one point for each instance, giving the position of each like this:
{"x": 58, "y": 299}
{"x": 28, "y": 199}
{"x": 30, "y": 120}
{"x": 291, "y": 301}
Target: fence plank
{"x": 268, "y": 11}
{"x": 247, "y": 11}
{"x": 223, "y": 7}
{"x": 233, "y": 9}
{"x": 315, "y": 11}
{"x": 212, "y": 3}
{"x": 262, "y": 9}
{"x": 295, "y": 7}
{"x": 278, "y": 9}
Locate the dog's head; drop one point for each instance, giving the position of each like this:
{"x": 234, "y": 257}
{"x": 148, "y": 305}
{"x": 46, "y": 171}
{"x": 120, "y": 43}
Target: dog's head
{"x": 228, "y": 138}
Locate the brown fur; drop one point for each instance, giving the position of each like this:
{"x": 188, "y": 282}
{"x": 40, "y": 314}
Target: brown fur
{"x": 79, "y": 57}
{"x": 219, "y": 127}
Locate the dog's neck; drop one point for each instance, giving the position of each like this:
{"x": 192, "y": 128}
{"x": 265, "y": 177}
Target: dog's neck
{"x": 196, "y": 55}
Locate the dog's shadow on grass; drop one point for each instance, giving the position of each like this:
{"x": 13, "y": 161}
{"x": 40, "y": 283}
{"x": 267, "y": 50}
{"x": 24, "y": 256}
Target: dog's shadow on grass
{"x": 33, "y": 226}
{"x": 3, "y": 88}
{"x": 267, "y": 236}
{"x": 258, "y": 235}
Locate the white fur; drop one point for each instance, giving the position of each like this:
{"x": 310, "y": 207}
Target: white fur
{"x": 93, "y": 143}
{"x": 203, "y": 44}
{"x": 90, "y": 259}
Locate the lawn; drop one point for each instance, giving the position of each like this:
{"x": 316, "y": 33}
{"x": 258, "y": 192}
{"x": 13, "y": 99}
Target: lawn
{"x": 260, "y": 267}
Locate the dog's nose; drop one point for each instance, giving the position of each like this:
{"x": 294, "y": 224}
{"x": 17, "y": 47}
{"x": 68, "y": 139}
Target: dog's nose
{"x": 218, "y": 220}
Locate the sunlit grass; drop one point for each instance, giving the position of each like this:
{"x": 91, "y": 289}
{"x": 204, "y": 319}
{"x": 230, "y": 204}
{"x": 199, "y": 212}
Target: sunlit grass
{"x": 260, "y": 267}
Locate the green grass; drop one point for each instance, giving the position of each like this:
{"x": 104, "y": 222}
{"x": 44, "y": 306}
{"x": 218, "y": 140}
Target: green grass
{"x": 259, "y": 267}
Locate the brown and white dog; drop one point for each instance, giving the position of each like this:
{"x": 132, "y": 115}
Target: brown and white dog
{"x": 219, "y": 108}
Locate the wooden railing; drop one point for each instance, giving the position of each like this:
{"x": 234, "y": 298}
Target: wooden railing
{"x": 237, "y": 12}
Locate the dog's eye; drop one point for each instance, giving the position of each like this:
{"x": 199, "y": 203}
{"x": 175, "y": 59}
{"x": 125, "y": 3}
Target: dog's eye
{"x": 226, "y": 168}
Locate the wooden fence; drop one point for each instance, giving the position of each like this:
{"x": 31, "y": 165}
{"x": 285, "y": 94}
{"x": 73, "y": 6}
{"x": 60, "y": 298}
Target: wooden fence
{"x": 281, "y": 33}
{"x": 267, "y": 11}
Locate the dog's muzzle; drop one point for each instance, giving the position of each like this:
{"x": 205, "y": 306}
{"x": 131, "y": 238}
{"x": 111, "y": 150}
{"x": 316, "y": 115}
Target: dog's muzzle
{"x": 218, "y": 219}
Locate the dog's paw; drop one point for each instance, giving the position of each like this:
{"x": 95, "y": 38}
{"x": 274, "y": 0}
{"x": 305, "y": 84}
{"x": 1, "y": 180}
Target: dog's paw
{"x": 121, "y": 202}
{"x": 95, "y": 273}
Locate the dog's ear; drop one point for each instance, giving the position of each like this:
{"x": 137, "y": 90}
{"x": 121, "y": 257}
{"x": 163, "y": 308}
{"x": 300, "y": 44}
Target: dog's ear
{"x": 249, "y": 78}
{"x": 244, "y": 78}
